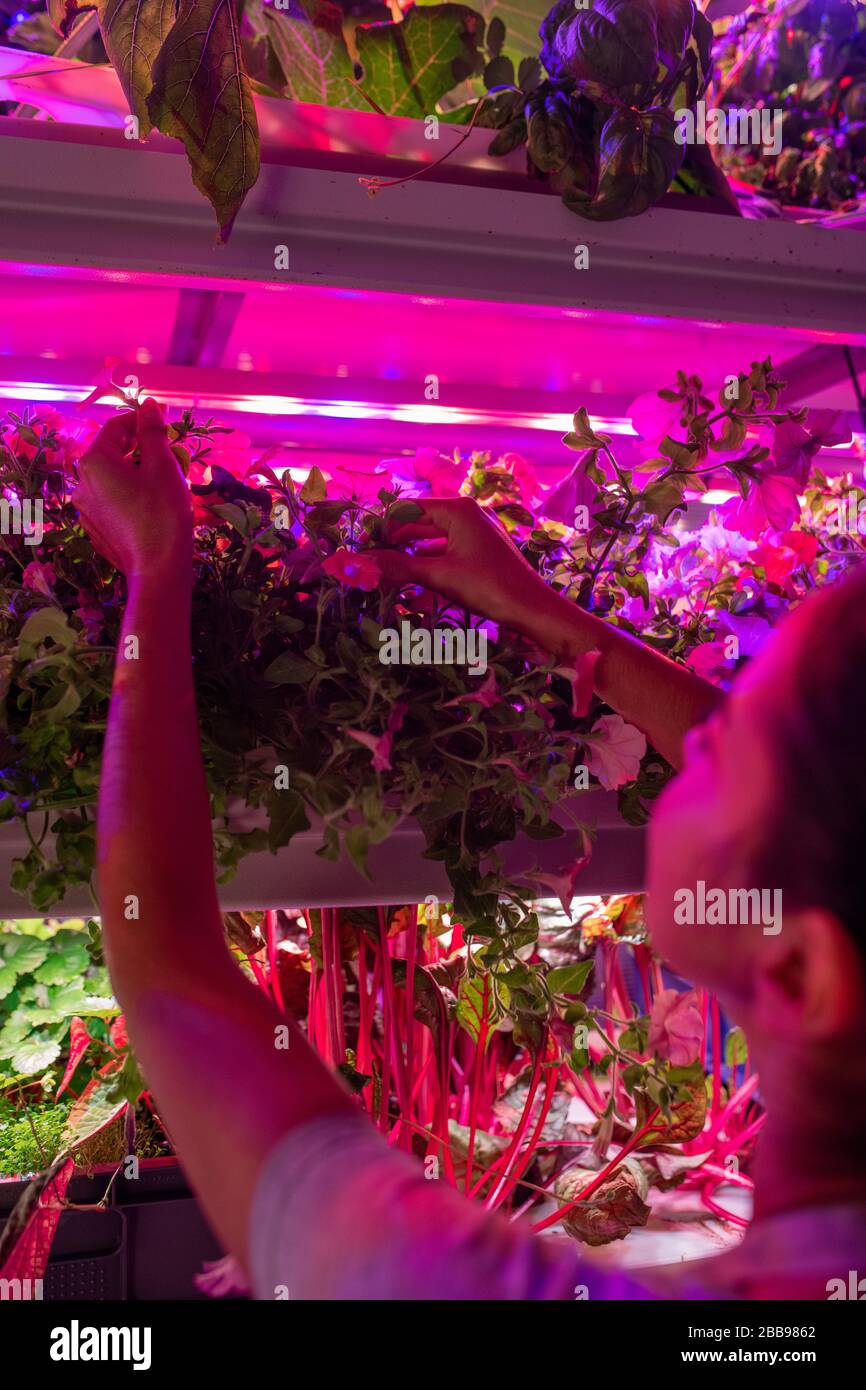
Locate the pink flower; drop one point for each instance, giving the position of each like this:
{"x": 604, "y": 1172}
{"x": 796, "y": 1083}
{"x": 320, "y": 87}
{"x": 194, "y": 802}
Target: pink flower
{"x": 44, "y": 420}
{"x": 430, "y": 472}
{"x": 523, "y": 474}
{"x": 709, "y": 660}
{"x": 378, "y": 744}
{"x": 654, "y": 418}
{"x": 795, "y": 446}
{"x": 91, "y": 619}
{"x": 614, "y": 755}
{"x": 353, "y": 571}
{"x": 750, "y": 630}
{"x": 573, "y": 491}
{"x": 581, "y": 674}
{"x": 564, "y": 883}
{"x": 676, "y": 1031}
{"x": 772, "y": 505}
{"x": 39, "y": 576}
{"x": 485, "y": 696}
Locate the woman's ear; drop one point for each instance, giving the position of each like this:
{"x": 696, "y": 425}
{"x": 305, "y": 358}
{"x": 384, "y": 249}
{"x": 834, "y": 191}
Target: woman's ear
{"x": 811, "y": 981}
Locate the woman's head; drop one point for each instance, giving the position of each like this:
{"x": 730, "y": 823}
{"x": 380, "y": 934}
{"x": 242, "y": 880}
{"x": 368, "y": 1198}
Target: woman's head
{"x": 770, "y": 809}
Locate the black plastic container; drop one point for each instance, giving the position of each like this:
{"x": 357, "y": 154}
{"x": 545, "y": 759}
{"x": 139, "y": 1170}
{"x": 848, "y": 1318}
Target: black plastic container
{"x": 148, "y": 1243}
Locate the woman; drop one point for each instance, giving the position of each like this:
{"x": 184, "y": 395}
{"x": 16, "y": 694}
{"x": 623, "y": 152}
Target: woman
{"x": 771, "y": 796}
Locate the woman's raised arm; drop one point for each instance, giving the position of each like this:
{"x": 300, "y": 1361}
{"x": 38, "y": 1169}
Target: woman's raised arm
{"x": 469, "y": 558}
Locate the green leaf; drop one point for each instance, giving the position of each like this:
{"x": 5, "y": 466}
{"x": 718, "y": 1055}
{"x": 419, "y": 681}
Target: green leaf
{"x": 7, "y": 980}
{"x": 35, "y": 1055}
{"x": 404, "y": 512}
{"x": 315, "y": 488}
{"x": 201, "y": 95}
{"x": 67, "y": 960}
{"x": 95, "y": 1108}
{"x": 638, "y": 158}
{"x": 408, "y": 67}
{"x": 236, "y": 516}
{"x": 23, "y": 954}
{"x": 476, "y": 1006}
{"x": 736, "y": 1048}
{"x": 663, "y": 497}
{"x": 569, "y": 979}
{"x": 289, "y": 670}
{"x": 311, "y": 53}
{"x": 133, "y": 32}
{"x": 286, "y": 817}
{"x": 46, "y": 624}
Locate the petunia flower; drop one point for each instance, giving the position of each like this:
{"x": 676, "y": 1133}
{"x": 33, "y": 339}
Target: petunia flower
{"x": 353, "y": 571}
{"x": 676, "y": 1028}
{"x": 581, "y": 674}
{"x": 795, "y": 446}
{"x": 523, "y": 474}
{"x": 615, "y": 753}
{"x": 653, "y": 418}
{"x": 750, "y": 630}
{"x": 773, "y": 504}
{"x": 428, "y": 473}
{"x": 39, "y": 576}
{"x": 564, "y": 883}
{"x": 710, "y": 661}
{"x": 486, "y": 695}
{"x": 575, "y": 490}
{"x": 378, "y": 744}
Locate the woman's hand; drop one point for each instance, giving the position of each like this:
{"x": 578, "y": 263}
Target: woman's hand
{"x": 466, "y": 557}
{"x": 469, "y": 558}
{"x": 138, "y": 514}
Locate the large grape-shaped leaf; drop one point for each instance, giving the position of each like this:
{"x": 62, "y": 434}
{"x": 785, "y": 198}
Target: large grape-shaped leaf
{"x": 408, "y": 67}
{"x": 311, "y": 53}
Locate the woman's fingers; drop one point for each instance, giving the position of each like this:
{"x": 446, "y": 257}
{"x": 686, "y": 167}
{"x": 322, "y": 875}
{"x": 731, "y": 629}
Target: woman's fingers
{"x": 399, "y": 568}
{"x": 410, "y": 531}
{"x": 150, "y": 429}
{"x": 113, "y": 441}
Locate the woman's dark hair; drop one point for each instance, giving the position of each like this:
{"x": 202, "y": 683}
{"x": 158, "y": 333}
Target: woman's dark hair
{"x": 813, "y": 846}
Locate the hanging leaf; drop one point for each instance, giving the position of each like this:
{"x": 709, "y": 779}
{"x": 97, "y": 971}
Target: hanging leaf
{"x": 133, "y": 32}
{"x": 201, "y": 95}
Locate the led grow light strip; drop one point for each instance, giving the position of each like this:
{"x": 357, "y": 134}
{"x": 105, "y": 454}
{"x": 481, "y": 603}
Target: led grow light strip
{"x": 416, "y": 414}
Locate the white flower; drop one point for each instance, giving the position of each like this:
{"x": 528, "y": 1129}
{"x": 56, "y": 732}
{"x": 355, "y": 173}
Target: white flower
{"x": 614, "y": 755}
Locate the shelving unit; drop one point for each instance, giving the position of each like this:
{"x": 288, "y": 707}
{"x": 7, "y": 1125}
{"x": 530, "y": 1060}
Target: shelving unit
{"x": 466, "y": 274}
